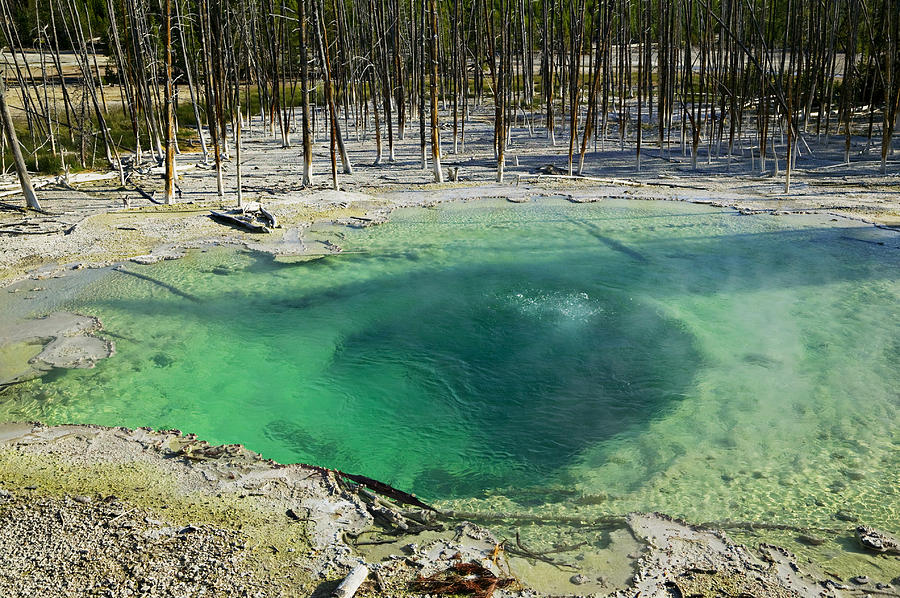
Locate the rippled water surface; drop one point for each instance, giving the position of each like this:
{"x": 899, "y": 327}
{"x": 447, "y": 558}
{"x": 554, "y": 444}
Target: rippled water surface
{"x": 538, "y": 357}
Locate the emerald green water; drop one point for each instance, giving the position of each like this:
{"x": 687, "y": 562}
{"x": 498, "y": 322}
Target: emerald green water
{"x": 547, "y": 356}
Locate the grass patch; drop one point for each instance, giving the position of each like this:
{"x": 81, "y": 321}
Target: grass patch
{"x": 81, "y": 147}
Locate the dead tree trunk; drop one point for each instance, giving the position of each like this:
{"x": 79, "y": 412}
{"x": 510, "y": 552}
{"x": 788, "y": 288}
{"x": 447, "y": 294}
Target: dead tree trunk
{"x": 9, "y": 131}
{"x": 329, "y": 89}
{"x": 304, "y": 100}
{"x": 190, "y": 79}
{"x": 169, "y": 188}
{"x": 435, "y": 128}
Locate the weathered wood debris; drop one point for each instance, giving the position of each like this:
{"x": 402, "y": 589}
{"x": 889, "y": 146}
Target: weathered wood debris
{"x": 252, "y": 217}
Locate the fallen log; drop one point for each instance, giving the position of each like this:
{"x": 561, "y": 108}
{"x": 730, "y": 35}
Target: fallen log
{"x": 527, "y": 553}
{"x": 587, "y": 520}
{"x": 579, "y": 520}
{"x": 389, "y": 515}
{"x": 351, "y": 583}
{"x": 19, "y": 233}
{"x": 268, "y": 216}
{"x": 386, "y": 490}
{"x": 149, "y": 196}
{"x": 383, "y": 508}
{"x": 30, "y": 227}
{"x": 16, "y": 189}
{"x": 727, "y": 525}
{"x": 240, "y": 220}
{"x": 421, "y": 516}
{"x": 375, "y": 542}
{"x": 380, "y": 487}
{"x": 11, "y": 207}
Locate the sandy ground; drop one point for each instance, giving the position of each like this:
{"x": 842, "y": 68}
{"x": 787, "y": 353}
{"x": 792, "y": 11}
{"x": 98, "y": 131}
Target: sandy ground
{"x": 266, "y": 529}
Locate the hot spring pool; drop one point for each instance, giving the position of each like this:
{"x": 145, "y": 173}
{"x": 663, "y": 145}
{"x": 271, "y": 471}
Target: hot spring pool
{"x": 542, "y": 357}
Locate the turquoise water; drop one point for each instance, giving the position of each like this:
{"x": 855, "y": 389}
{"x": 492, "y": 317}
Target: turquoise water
{"x": 544, "y": 357}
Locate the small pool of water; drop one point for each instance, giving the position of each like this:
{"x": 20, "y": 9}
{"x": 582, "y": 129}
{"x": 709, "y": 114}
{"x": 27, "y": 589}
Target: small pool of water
{"x": 544, "y": 357}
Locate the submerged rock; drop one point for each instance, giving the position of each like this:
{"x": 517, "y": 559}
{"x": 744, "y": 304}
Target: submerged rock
{"x": 811, "y": 540}
{"x": 845, "y": 515}
{"x": 162, "y": 360}
{"x": 592, "y": 499}
{"x": 855, "y": 474}
{"x": 75, "y": 352}
{"x": 579, "y": 579}
{"x": 67, "y": 340}
{"x": 878, "y": 541}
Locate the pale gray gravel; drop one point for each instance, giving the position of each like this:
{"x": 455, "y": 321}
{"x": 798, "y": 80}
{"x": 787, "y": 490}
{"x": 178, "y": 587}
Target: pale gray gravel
{"x": 79, "y": 546}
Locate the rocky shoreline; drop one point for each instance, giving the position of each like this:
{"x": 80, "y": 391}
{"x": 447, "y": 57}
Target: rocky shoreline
{"x": 88, "y": 510}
